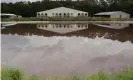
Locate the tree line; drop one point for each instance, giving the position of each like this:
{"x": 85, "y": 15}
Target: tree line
{"x": 29, "y": 9}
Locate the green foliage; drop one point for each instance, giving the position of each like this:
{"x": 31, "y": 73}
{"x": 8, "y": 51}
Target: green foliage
{"x": 11, "y": 74}
{"x": 15, "y": 74}
{"x": 125, "y": 74}
{"x": 75, "y": 78}
{"x": 99, "y": 76}
{"x": 21, "y": 19}
{"x": 79, "y": 18}
{"x": 34, "y": 77}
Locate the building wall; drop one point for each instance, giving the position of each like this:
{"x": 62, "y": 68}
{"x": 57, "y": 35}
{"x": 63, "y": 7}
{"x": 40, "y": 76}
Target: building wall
{"x": 120, "y": 15}
{"x": 126, "y": 16}
{"x": 8, "y": 16}
{"x": 56, "y": 14}
{"x": 61, "y": 13}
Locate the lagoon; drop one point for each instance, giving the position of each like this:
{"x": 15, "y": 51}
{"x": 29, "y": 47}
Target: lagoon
{"x": 67, "y": 49}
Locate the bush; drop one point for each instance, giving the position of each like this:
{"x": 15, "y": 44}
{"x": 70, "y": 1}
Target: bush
{"x": 11, "y": 74}
{"x": 34, "y": 77}
{"x": 79, "y": 18}
{"x": 16, "y": 74}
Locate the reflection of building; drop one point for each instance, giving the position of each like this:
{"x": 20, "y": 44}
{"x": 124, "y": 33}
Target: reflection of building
{"x": 8, "y": 24}
{"x": 62, "y": 28}
{"x": 61, "y": 12}
{"x": 114, "y": 14}
{"x": 114, "y": 26}
{"x": 91, "y": 31}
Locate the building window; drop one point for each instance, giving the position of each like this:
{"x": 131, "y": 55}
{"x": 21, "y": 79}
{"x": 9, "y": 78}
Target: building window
{"x": 46, "y": 26}
{"x": 56, "y": 14}
{"x": 60, "y": 14}
{"x": 52, "y": 13}
{"x": 82, "y": 14}
{"x": 120, "y": 16}
{"x": 68, "y": 14}
{"x": 38, "y": 15}
{"x": 82, "y": 25}
{"x": 56, "y": 26}
{"x": 78, "y": 14}
{"x": 45, "y": 14}
{"x": 59, "y": 25}
{"x": 71, "y": 13}
{"x": 86, "y": 14}
{"x": 42, "y": 14}
{"x": 64, "y": 14}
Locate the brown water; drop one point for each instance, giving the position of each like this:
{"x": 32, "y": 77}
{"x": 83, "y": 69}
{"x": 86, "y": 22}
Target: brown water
{"x": 67, "y": 49}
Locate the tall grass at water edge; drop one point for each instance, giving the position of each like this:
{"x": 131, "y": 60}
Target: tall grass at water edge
{"x": 16, "y": 74}
{"x": 80, "y": 18}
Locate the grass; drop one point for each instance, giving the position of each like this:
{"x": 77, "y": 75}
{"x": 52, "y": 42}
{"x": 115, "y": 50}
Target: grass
{"x": 16, "y": 74}
{"x": 80, "y": 18}
{"x": 21, "y": 19}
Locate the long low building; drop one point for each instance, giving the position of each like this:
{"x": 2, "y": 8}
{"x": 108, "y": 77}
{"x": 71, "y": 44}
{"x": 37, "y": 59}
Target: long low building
{"x": 8, "y": 15}
{"x": 114, "y": 14}
{"x": 61, "y": 12}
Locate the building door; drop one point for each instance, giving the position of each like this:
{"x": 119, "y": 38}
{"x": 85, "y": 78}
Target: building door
{"x": 120, "y": 16}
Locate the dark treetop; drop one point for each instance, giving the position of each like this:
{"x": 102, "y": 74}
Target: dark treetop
{"x": 29, "y": 9}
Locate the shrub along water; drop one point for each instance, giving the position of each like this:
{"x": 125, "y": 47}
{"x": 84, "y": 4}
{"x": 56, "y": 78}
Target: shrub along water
{"x": 79, "y": 18}
{"x": 16, "y": 74}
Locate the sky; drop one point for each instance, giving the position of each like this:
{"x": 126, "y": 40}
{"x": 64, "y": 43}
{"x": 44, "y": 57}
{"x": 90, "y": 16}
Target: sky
{"x": 7, "y": 1}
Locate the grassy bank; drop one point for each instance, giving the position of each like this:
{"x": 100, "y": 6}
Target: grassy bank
{"x": 16, "y": 74}
{"x": 66, "y": 19}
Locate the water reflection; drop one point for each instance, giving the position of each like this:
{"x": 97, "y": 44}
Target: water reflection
{"x": 7, "y": 24}
{"x": 62, "y": 56}
{"x": 114, "y": 26}
{"x": 48, "y": 49}
{"x": 85, "y": 30}
{"x": 62, "y": 28}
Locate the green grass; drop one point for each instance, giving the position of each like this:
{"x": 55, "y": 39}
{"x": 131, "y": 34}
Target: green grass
{"x": 21, "y": 19}
{"x": 16, "y": 74}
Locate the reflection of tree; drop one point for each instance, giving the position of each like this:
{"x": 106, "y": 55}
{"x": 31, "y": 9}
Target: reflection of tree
{"x": 92, "y": 31}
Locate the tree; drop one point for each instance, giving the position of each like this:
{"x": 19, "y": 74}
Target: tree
{"x": 29, "y": 9}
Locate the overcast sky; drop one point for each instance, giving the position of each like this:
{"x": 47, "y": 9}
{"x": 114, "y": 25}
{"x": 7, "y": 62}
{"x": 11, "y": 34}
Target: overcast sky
{"x": 17, "y": 0}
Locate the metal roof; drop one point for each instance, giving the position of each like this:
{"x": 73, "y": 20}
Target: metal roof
{"x": 109, "y": 13}
{"x": 7, "y": 14}
{"x": 63, "y": 9}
